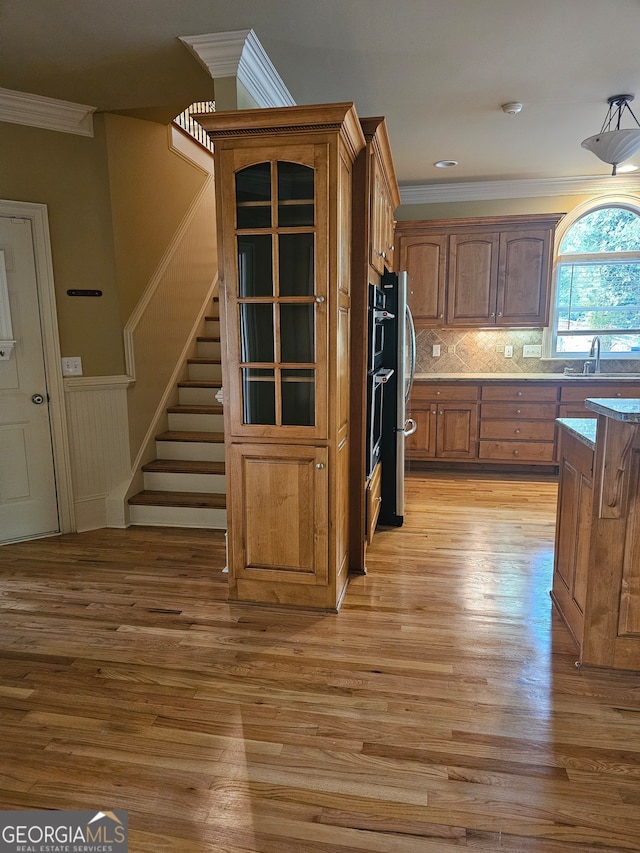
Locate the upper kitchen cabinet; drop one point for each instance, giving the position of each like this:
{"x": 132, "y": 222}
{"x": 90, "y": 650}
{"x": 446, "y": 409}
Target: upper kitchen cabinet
{"x": 284, "y": 210}
{"x": 384, "y": 196}
{"x": 479, "y": 272}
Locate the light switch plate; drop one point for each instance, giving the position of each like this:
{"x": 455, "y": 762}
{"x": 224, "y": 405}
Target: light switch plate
{"x": 435, "y": 349}
{"x": 508, "y": 351}
{"x": 72, "y": 366}
{"x": 532, "y": 351}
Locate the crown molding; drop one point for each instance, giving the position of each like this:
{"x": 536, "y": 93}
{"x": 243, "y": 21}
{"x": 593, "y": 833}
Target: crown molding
{"x": 240, "y": 54}
{"x": 526, "y": 188}
{"x": 49, "y": 113}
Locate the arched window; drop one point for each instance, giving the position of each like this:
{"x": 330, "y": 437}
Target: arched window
{"x": 597, "y": 288}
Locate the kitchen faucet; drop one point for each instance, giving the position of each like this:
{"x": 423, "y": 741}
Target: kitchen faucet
{"x": 594, "y": 351}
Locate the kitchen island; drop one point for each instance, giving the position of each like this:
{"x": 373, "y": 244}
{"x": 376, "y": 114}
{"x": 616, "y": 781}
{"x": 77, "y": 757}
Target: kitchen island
{"x": 596, "y": 579}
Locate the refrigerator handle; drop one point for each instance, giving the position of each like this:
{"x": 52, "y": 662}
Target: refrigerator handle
{"x": 412, "y": 355}
{"x": 410, "y": 426}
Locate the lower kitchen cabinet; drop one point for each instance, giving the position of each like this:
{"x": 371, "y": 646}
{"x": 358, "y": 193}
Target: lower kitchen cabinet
{"x": 500, "y": 422}
{"x": 447, "y": 423}
{"x": 374, "y": 500}
{"x": 517, "y": 423}
{"x": 573, "y": 529}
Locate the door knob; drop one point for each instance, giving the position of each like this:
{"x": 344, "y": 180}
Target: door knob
{"x": 38, "y": 399}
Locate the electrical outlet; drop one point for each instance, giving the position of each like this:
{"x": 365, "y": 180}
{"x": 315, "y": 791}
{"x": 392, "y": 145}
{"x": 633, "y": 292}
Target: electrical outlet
{"x": 499, "y": 347}
{"x": 435, "y": 350}
{"x": 72, "y": 366}
{"x": 451, "y": 348}
{"x": 532, "y": 351}
{"x": 508, "y": 351}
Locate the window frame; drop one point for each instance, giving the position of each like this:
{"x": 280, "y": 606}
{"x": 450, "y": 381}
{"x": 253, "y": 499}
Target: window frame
{"x": 550, "y": 334}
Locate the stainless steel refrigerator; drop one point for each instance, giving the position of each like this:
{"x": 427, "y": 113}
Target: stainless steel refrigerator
{"x": 399, "y": 355}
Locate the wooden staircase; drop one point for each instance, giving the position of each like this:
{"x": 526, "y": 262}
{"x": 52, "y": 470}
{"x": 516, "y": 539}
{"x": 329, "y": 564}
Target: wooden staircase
{"x": 185, "y": 485}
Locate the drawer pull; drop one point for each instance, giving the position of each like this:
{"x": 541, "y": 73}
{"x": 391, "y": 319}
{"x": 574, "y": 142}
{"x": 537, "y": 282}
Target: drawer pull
{"x": 437, "y": 393}
{"x": 516, "y": 452}
{"x": 519, "y": 394}
{"x": 517, "y": 411}
{"x": 517, "y": 431}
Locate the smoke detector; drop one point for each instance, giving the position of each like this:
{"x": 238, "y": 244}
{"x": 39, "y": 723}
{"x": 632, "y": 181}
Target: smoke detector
{"x": 511, "y": 109}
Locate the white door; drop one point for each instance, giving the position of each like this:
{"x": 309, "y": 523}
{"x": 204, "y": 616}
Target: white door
{"x": 28, "y": 504}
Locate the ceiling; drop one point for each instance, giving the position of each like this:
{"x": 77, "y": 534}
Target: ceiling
{"x": 438, "y": 70}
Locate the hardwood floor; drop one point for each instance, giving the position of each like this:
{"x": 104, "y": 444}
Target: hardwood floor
{"x": 439, "y": 711}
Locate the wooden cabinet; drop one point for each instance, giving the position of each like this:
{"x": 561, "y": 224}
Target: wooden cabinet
{"x": 479, "y": 272}
{"x": 383, "y": 204}
{"x": 425, "y": 258}
{"x": 447, "y": 422}
{"x": 375, "y": 198}
{"x": 517, "y": 423}
{"x": 573, "y": 530}
{"x": 283, "y": 190}
{"x": 596, "y": 580}
{"x": 374, "y": 499}
{"x": 573, "y": 395}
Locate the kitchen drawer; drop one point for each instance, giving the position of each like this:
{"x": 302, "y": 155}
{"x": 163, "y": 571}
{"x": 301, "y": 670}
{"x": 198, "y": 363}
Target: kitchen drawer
{"x": 453, "y": 392}
{"x": 579, "y": 391}
{"x": 517, "y": 451}
{"x": 518, "y": 430}
{"x": 522, "y": 391}
{"x": 543, "y": 411}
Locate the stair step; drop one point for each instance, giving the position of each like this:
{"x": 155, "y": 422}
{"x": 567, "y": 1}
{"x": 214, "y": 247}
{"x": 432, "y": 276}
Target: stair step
{"x": 184, "y": 466}
{"x": 195, "y": 409}
{"x": 202, "y": 518}
{"x": 190, "y": 499}
{"x": 200, "y": 383}
{"x": 191, "y": 435}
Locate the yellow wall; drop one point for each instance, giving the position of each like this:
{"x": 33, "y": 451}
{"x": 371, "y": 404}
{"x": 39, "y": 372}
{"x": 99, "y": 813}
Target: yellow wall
{"x": 69, "y": 174}
{"x": 152, "y": 188}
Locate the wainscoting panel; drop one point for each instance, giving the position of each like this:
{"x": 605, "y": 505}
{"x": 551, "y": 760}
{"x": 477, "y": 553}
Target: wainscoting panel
{"x": 99, "y": 443}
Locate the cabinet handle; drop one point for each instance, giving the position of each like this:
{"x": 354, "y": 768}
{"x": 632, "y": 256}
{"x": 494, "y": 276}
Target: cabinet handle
{"x": 516, "y": 452}
{"x": 441, "y": 412}
{"x": 618, "y": 394}
{"x": 518, "y": 411}
{"x": 499, "y": 313}
{"x": 493, "y": 314}
{"x": 517, "y": 431}
{"x": 391, "y": 248}
{"x": 519, "y": 394}
{"x": 320, "y": 465}
{"x": 319, "y": 298}
{"x": 437, "y": 393}
{"x": 379, "y": 500}
{"x": 433, "y": 412}
{"x": 440, "y": 316}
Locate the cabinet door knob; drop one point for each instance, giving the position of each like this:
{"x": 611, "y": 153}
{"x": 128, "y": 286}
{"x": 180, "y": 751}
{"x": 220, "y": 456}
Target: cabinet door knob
{"x": 441, "y": 412}
{"x": 618, "y": 394}
{"x": 320, "y": 465}
{"x": 519, "y": 394}
{"x": 516, "y": 452}
{"x": 517, "y": 431}
{"x": 493, "y": 314}
{"x": 437, "y": 393}
{"x": 499, "y": 313}
{"x": 319, "y": 298}
{"x": 440, "y": 316}
{"x": 518, "y": 411}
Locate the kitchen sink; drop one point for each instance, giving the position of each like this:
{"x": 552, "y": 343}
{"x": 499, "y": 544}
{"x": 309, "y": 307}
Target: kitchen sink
{"x": 603, "y": 375}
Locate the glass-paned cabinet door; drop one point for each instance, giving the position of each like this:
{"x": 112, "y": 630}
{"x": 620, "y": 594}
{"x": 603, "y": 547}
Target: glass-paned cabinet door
{"x": 280, "y": 318}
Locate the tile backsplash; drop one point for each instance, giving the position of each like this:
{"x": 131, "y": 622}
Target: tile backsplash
{"x": 482, "y": 351}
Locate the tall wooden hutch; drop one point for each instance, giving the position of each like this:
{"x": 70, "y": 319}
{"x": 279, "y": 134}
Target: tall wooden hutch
{"x": 283, "y": 186}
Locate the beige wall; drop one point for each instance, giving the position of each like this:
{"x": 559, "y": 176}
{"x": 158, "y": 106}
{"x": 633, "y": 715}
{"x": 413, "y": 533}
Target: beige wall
{"x": 69, "y": 174}
{"x": 495, "y": 207}
{"x": 152, "y": 188}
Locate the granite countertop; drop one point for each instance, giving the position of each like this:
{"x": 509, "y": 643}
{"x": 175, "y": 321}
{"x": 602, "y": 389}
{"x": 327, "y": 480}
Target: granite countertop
{"x": 528, "y": 377}
{"x": 584, "y": 429}
{"x": 618, "y": 410}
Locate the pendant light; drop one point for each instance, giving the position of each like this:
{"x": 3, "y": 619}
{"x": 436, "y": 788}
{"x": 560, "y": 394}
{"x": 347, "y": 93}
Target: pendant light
{"x": 614, "y": 144}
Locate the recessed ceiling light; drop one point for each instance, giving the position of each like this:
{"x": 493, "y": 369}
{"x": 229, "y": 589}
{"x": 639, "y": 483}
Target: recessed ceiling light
{"x": 628, "y": 167}
{"x": 445, "y": 164}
